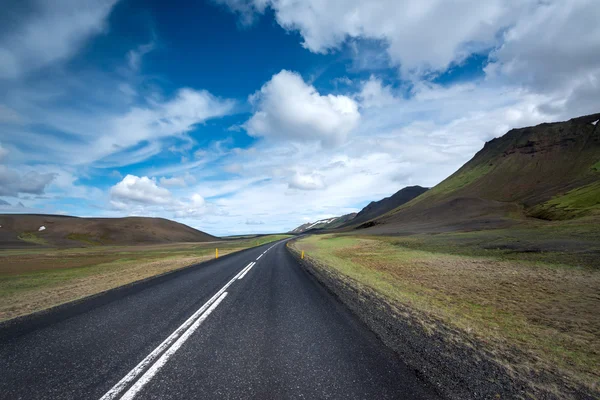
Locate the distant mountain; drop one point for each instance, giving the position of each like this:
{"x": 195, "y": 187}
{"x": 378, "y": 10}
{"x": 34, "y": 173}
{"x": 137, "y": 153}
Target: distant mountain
{"x": 550, "y": 171}
{"x": 377, "y": 208}
{"x": 18, "y": 230}
{"x": 328, "y": 223}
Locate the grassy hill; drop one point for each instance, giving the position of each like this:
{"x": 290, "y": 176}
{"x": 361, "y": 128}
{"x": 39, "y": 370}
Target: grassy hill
{"x": 550, "y": 171}
{"x": 24, "y": 230}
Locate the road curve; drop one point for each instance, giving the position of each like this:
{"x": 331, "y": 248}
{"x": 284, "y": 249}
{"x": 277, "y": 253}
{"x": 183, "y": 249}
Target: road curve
{"x": 253, "y": 325}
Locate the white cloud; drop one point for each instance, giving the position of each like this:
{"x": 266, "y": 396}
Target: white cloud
{"x": 419, "y": 35}
{"x": 175, "y": 117}
{"x": 136, "y": 195}
{"x": 245, "y": 9}
{"x": 3, "y": 152}
{"x": 307, "y": 182}
{"x": 13, "y": 182}
{"x": 110, "y": 136}
{"x": 140, "y": 190}
{"x": 555, "y": 51}
{"x": 375, "y": 94}
{"x": 288, "y": 108}
{"x": 173, "y": 181}
{"x": 134, "y": 57}
{"x": 52, "y": 32}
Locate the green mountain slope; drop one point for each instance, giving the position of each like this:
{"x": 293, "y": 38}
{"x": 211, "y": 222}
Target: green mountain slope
{"x": 548, "y": 171}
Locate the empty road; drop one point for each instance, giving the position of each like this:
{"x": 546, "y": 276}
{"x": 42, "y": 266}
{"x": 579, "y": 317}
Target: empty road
{"x": 251, "y": 325}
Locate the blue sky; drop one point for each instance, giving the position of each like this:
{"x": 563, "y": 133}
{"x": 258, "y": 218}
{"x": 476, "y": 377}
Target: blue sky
{"x": 243, "y": 116}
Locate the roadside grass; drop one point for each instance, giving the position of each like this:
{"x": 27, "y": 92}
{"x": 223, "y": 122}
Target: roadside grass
{"x": 35, "y": 279}
{"x": 547, "y": 311}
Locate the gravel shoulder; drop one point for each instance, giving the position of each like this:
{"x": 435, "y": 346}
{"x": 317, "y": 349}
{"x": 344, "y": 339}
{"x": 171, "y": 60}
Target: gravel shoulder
{"x": 458, "y": 365}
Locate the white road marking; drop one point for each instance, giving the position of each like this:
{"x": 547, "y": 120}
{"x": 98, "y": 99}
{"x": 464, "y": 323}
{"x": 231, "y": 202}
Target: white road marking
{"x": 260, "y": 256}
{"x": 134, "y": 390}
{"x": 246, "y": 271}
{"x": 114, "y": 392}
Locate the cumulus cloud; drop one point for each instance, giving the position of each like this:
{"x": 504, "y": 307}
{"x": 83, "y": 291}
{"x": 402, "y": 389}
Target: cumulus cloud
{"x": 288, "y": 108}
{"x": 53, "y": 32}
{"x": 12, "y": 183}
{"x": 374, "y": 94}
{"x": 136, "y": 195}
{"x": 140, "y": 190}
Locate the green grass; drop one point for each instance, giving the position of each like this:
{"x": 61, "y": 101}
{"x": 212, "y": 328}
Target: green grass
{"x": 458, "y": 180}
{"x": 596, "y": 167}
{"x": 545, "y": 309}
{"x": 32, "y": 238}
{"x": 83, "y": 238}
{"x": 579, "y": 202}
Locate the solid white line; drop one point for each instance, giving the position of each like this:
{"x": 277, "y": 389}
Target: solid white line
{"x": 246, "y": 271}
{"x": 259, "y": 257}
{"x": 134, "y": 390}
{"x": 113, "y": 393}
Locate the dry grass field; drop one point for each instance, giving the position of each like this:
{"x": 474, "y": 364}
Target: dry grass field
{"x": 35, "y": 279}
{"x": 531, "y": 313}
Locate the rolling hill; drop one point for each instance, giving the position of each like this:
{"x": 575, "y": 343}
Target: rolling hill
{"x": 550, "y": 171}
{"x": 20, "y": 230}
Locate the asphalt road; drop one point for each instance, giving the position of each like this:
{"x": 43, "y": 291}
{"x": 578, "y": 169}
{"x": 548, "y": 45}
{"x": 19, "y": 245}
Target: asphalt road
{"x": 218, "y": 331}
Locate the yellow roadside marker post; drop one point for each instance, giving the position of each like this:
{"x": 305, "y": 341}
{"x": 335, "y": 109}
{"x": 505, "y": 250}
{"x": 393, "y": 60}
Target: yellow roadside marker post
{"x": 302, "y": 256}
{"x": 216, "y": 253}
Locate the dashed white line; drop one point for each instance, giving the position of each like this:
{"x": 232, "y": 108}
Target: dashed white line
{"x": 260, "y": 256}
{"x": 242, "y": 272}
{"x": 134, "y": 390}
{"x": 246, "y": 270}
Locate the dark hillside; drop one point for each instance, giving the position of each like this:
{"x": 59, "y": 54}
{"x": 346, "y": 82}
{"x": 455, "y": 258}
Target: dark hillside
{"x": 19, "y": 230}
{"x": 377, "y": 208}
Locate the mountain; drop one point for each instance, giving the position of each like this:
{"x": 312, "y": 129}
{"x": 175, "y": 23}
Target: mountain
{"x": 550, "y": 171}
{"x": 328, "y": 223}
{"x": 18, "y": 230}
{"x": 377, "y": 208}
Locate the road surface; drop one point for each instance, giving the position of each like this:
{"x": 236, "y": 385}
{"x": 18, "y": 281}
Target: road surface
{"x": 252, "y": 325}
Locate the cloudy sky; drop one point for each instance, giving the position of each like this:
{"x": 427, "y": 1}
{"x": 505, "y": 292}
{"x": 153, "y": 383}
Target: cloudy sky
{"x": 240, "y": 116}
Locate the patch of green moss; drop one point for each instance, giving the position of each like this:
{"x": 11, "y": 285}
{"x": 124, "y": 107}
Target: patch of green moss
{"x": 31, "y": 237}
{"x": 596, "y": 167}
{"x": 81, "y": 237}
{"x": 576, "y": 203}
